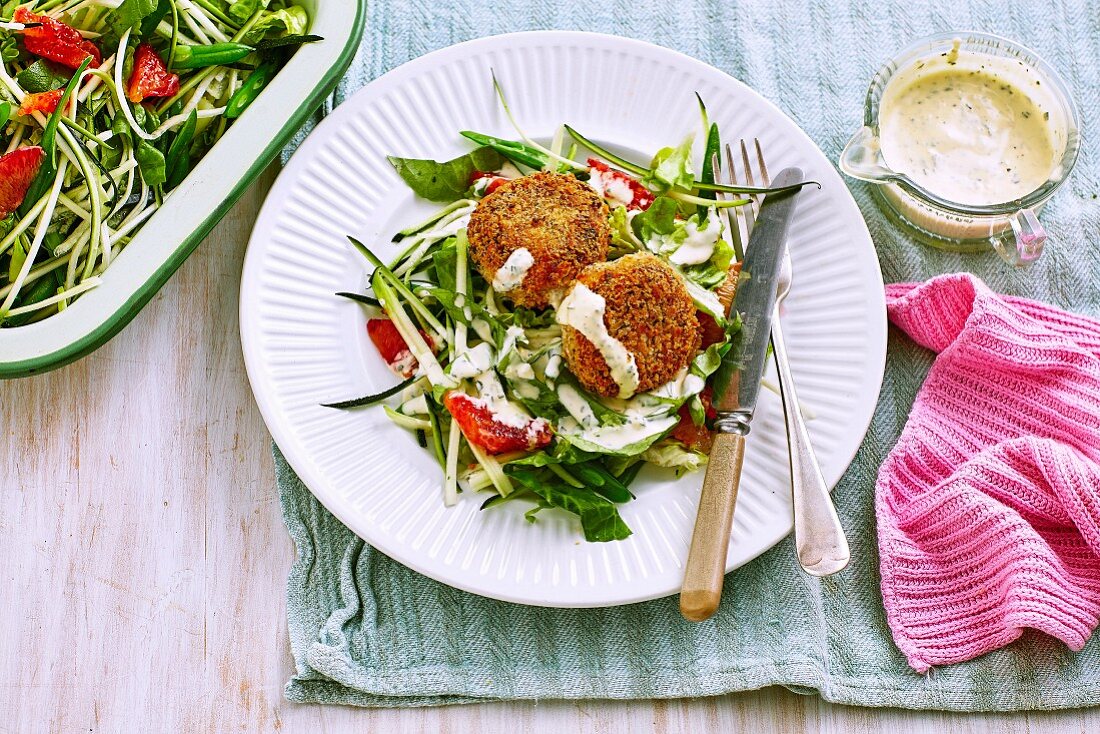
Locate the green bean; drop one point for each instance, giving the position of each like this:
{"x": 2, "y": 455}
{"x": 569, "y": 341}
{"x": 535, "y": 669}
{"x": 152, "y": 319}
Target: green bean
{"x": 218, "y": 54}
{"x": 510, "y": 149}
{"x": 256, "y": 82}
{"x": 602, "y": 481}
{"x": 177, "y": 163}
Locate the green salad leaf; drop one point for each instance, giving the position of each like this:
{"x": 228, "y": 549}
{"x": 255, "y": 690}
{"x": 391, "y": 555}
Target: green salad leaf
{"x": 671, "y": 168}
{"x": 663, "y": 233}
{"x": 447, "y": 299}
{"x": 672, "y": 454}
{"x": 242, "y": 10}
{"x": 290, "y": 21}
{"x": 9, "y": 49}
{"x": 606, "y": 439}
{"x": 658, "y": 219}
{"x": 151, "y": 162}
{"x": 150, "y": 22}
{"x": 131, "y": 13}
{"x": 622, "y": 231}
{"x": 599, "y": 517}
{"x": 445, "y": 181}
{"x": 41, "y": 76}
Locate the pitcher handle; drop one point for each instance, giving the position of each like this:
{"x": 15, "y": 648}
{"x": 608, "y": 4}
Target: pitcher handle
{"x": 1022, "y": 244}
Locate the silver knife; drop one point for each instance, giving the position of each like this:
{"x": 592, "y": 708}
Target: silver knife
{"x": 736, "y": 385}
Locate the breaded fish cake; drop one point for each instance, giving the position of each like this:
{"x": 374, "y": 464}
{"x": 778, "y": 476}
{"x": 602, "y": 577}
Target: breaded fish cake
{"x": 532, "y": 236}
{"x": 647, "y": 311}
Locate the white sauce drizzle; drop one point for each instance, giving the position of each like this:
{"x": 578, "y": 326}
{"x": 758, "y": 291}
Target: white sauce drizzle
{"x": 583, "y": 309}
{"x": 698, "y": 246}
{"x": 578, "y": 407}
{"x": 511, "y": 274}
{"x": 610, "y": 186}
{"x": 472, "y": 362}
{"x": 491, "y": 392}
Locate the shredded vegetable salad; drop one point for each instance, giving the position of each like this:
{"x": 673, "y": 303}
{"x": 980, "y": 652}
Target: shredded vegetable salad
{"x": 105, "y": 106}
{"x": 555, "y": 323}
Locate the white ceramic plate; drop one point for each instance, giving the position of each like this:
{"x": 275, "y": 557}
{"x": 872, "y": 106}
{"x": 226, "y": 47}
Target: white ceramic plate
{"x": 304, "y": 346}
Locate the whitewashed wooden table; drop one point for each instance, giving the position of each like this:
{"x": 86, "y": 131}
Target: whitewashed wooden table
{"x": 143, "y": 556}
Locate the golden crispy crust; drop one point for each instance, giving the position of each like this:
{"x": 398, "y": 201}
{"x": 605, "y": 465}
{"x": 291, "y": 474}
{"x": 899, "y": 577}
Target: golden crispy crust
{"x": 649, "y": 310}
{"x": 561, "y": 221}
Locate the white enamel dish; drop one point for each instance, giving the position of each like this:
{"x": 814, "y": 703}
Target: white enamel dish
{"x": 304, "y": 346}
{"x": 192, "y": 210}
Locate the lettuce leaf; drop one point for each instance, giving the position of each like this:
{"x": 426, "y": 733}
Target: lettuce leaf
{"x": 622, "y": 233}
{"x": 671, "y": 168}
{"x": 290, "y": 21}
{"x": 672, "y": 454}
{"x": 664, "y": 235}
{"x": 242, "y": 10}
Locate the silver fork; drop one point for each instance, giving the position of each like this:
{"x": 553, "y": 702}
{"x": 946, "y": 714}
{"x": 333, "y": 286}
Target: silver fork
{"x": 819, "y": 538}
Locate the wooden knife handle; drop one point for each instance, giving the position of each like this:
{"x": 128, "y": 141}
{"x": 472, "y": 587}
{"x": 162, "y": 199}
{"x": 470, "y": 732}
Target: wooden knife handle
{"x": 706, "y": 563}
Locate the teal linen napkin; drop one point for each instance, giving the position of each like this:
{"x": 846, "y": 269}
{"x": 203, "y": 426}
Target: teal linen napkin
{"x": 367, "y": 631}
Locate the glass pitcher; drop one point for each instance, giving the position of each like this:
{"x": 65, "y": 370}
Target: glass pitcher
{"x": 1011, "y": 228}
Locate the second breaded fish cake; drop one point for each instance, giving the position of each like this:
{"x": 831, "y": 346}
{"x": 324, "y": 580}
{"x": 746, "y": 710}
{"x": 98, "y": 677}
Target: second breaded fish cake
{"x": 628, "y": 326}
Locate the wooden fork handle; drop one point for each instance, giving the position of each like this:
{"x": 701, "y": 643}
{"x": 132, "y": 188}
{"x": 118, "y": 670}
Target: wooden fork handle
{"x": 706, "y": 563}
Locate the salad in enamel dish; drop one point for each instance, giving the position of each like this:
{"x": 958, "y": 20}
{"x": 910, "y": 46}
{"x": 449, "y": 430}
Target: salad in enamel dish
{"x": 556, "y": 321}
{"x": 105, "y": 105}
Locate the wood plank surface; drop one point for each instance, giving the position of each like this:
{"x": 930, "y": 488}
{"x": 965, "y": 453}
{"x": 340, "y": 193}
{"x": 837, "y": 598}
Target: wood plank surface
{"x": 143, "y": 558}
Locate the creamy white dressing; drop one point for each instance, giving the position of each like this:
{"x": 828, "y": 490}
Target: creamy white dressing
{"x": 609, "y": 186}
{"x": 572, "y": 400}
{"x": 553, "y": 366}
{"x": 518, "y": 370}
{"x": 404, "y": 363}
{"x": 616, "y": 438}
{"x": 491, "y": 392}
{"x": 969, "y": 128}
{"x": 583, "y": 309}
{"x": 698, "y": 246}
{"x": 472, "y": 362}
{"x": 435, "y": 374}
{"x": 511, "y": 274}
{"x": 683, "y": 385}
{"x": 513, "y": 335}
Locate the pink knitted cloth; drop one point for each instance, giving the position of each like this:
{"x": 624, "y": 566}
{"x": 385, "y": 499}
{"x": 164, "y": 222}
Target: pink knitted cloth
{"x": 989, "y": 506}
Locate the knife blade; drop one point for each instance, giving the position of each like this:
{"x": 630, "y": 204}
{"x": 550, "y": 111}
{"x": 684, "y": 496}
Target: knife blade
{"x": 736, "y": 386}
{"x": 736, "y": 382}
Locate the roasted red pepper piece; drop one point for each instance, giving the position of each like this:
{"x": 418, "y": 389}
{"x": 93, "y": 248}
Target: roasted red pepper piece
{"x": 643, "y": 197}
{"x": 41, "y": 102}
{"x": 390, "y": 344}
{"x": 495, "y": 183}
{"x": 17, "y": 170}
{"x": 56, "y": 41}
{"x": 696, "y": 438}
{"x": 712, "y": 332}
{"x": 481, "y": 427}
{"x": 150, "y": 77}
